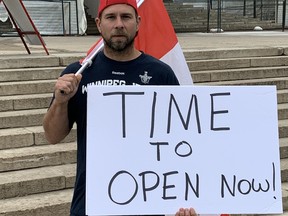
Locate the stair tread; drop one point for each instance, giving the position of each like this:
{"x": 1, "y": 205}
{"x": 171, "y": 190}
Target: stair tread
{"x": 224, "y": 70}
{"x": 23, "y": 70}
{"x": 27, "y": 96}
{"x": 26, "y": 82}
{"x": 36, "y": 150}
{"x": 239, "y": 58}
{"x": 283, "y": 142}
{"x": 283, "y": 122}
{"x": 36, "y": 180}
{"x": 283, "y": 106}
{"x": 241, "y": 82}
{"x": 41, "y": 200}
{"x": 37, "y": 173}
{"x": 21, "y": 137}
{"x": 22, "y": 112}
{"x": 37, "y": 156}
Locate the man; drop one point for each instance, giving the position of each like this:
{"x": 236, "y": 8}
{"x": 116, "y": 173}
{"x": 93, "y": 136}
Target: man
{"x": 120, "y": 63}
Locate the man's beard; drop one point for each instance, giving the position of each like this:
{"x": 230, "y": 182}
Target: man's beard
{"x": 120, "y": 46}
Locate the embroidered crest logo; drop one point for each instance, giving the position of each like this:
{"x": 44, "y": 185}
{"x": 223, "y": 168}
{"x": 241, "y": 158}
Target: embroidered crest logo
{"x": 145, "y": 78}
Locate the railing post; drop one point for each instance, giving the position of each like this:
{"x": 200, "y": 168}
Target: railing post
{"x": 244, "y": 8}
{"x": 219, "y": 17}
{"x": 208, "y": 15}
{"x": 254, "y": 9}
{"x": 284, "y": 15}
{"x": 261, "y": 17}
{"x": 63, "y": 19}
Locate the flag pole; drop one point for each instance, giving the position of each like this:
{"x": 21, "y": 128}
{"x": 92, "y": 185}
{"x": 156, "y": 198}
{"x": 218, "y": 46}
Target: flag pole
{"x": 87, "y": 62}
{"x": 89, "y": 59}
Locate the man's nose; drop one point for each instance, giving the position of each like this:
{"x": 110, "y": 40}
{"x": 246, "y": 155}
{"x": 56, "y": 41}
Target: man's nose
{"x": 119, "y": 22}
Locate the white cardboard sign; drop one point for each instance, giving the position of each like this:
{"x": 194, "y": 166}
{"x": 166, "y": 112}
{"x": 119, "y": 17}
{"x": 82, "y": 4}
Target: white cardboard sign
{"x": 152, "y": 150}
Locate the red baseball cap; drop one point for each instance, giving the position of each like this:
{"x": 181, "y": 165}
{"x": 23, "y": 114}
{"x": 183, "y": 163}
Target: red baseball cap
{"x": 105, "y": 3}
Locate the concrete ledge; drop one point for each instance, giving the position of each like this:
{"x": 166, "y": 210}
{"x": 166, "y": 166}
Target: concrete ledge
{"x": 5, "y": 104}
{"x": 66, "y": 59}
{"x": 282, "y": 96}
{"x": 37, "y": 156}
{"x": 285, "y": 197}
{"x": 284, "y": 170}
{"x": 23, "y": 118}
{"x": 39, "y": 180}
{"x": 239, "y": 74}
{"x": 27, "y": 87}
{"x": 218, "y": 64}
{"x": 15, "y": 138}
{"x": 235, "y": 63}
{"x": 29, "y": 136}
{"x": 284, "y": 149}
{"x": 283, "y": 111}
{"x": 39, "y": 138}
{"x": 269, "y": 61}
{"x": 37, "y": 101}
{"x": 232, "y": 53}
{"x": 22, "y": 61}
{"x": 41, "y": 73}
{"x": 22, "y": 102}
{"x": 283, "y": 129}
{"x": 281, "y": 82}
{"x": 46, "y": 204}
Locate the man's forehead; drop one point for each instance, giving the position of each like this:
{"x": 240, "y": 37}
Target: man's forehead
{"x": 118, "y": 8}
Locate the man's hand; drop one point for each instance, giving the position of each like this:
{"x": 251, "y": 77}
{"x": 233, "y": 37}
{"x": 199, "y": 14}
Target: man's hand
{"x": 66, "y": 87}
{"x": 186, "y": 212}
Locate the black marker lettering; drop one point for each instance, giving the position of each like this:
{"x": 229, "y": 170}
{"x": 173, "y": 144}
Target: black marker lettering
{"x": 158, "y": 144}
{"x": 224, "y": 181}
{"x": 144, "y": 187}
{"x": 181, "y": 144}
{"x": 188, "y": 183}
{"x": 165, "y": 186}
{"x": 185, "y": 123}
{"x": 213, "y": 112}
{"x": 153, "y": 115}
{"x": 110, "y": 186}
{"x": 123, "y": 94}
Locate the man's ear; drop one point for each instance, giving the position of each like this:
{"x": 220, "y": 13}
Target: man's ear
{"x": 98, "y": 24}
{"x": 138, "y": 22}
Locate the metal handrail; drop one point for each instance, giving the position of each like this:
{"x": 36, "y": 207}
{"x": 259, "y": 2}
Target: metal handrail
{"x": 252, "y": 8}
{"x": 284, "y": 15}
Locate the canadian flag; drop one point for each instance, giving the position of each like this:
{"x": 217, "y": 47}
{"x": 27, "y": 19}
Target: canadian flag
{"x": 156, "y": 37}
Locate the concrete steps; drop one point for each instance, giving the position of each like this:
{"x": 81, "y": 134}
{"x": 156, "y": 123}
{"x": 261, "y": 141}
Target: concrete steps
{"x": 263, "y": 66}
{"x": 45, "y": 204}
{"x": 237, "y": 63}
{"x": 27, "y": 137}
{"x": 193, "y": 18}
{"x": 23, "y": 102}
{"x": 37, "y": 156}
{"x": 38, "y": 179}
{"x": 22, "y": 74}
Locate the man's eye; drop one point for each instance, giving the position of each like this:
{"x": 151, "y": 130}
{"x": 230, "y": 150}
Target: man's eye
{"x": 126, "y": 17}
{"x": 110, "y": 17}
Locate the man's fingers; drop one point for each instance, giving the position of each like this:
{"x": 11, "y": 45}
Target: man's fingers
{"x": 79, "y": 77}
{"x": 186, "y": 212}
{"x": 68, "y": 83}
{"x": 192, "y": 212}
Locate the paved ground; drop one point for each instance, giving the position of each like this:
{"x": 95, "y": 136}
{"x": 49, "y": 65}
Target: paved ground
{"x": 189, "y": 41}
